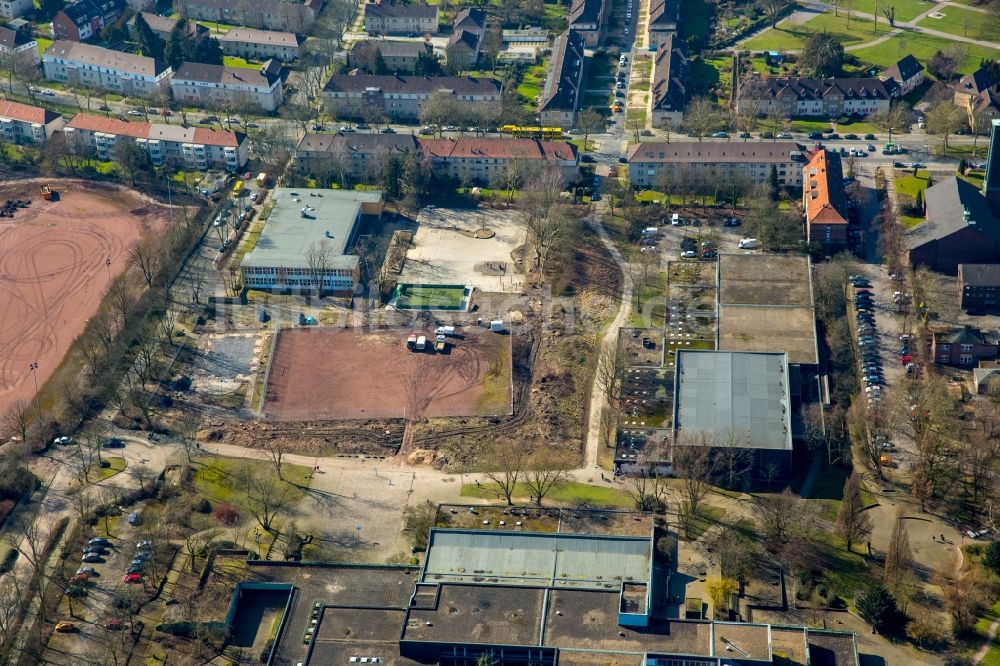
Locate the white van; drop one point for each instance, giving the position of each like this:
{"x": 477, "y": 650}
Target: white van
{"x": 748, "y": 243}
{"x": 675, "y": 220}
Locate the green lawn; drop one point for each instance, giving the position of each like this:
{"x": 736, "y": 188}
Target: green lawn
{"x": 858, "y": 127}
{"x": 905, "y": 9}
{"x": 233, "y": 61}
{"x": 569, "y": 493}
{"x": 788, "y": 36}
{"x": 43, "y": 44}
{"x": 216, "y": 478}
{"x": 532, "y": 81}
{"x": 909, "y": 184}
{"x": 115, "y": 464}
{"x": 923, "y": 48}
{"x": 216, "y": 27}
{"x": 962, "y": 22}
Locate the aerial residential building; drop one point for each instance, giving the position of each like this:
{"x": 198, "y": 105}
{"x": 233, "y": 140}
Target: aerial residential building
{"x": 162, "y": 26}
{"x": 979, "y": 287}
{"x": 979, "y": 95}
{"x": 86, "y": 18}
{"x": 964, "y": 347}
{"x": 663, "y": 18}
{"x": 195, "y": 148}
{"x": 12, "y": 9}
{"x": 527, "y": 37}
{"x": 906, "y": 74}
{"x": 824, "y": 200}
{"x": 402, "y": 97}
{"x": 483, "y": 161}
{"x": 217, "y": 85}
{"x": 356, "y": 155}
{"x": 563, "y": 91}
{"x": 21, "y": 123}
{"x": 297, "y": 224}
{"x": 826, "y": 98}
{"x": 669, "y": 84}
{"x": 254, "y": 44}
{"x": 398, "y": 56}
{"x": 730, "y": 163}
{"x": 265, "y": 14}
{"x": 384, "y": 18}
{"x": 463, "y": 46}
{"x": 21, "y": 43}
{"x": 95, "y": 67}
{"x": 589, "y": 18}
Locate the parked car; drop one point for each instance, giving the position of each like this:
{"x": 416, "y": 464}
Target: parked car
{"x": 100, "y": 541}
{"x": 388, "y": 130}
{"x": 62, "y": 440}
{"x": 851, "y": 137}
{"x": 65, "y": 627}
{"x": 114, "y": 625}
{"x": 869, "y": 137}
{"x": 114, "y": 443}
{"x": 815, "y": 136}
{"x": 90, "y": 571}
{"x": 132, "y": 578}
{"x": 786, "y": 135}
{"x": 92, "y": 558}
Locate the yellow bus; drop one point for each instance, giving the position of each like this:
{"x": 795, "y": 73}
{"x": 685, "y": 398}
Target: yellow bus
{"x": 527, "y": 132}
{"x": 237, "y": 188}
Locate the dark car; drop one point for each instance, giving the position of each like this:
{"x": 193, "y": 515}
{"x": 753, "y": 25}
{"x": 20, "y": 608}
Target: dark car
{"x": 851, "y": 137}
{"x": 745, "y": 135}
{"x": 815, "y": 136}
{"x": 388, "y": 130}
{"x": 832, "y": 136}
{"x": 114, "y": 443}
{"x": 869, "y": 137}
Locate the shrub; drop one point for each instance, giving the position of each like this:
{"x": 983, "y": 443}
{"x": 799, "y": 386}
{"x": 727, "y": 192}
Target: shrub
{"x": 204, "y": 506}
{"x": 992, "y": 557}
{"x": 226, "y": 514}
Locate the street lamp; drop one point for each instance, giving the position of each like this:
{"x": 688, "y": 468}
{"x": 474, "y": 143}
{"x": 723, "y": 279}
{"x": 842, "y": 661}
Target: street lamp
{"x": 890, "y": 134}
{"x": 107, "y": 262}
{"x": 38, "y": 407}
{"x": 358, "y": 528}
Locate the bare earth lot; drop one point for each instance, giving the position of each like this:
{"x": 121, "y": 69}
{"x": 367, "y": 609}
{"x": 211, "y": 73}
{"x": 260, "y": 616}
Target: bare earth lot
{"x": 355, "y": 374}
{"x": 53, "y": 273}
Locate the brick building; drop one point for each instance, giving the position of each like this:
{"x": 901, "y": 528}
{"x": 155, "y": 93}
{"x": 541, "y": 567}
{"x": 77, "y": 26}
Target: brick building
{"x": 964, "y": 347}
{"x": 979, "y": 286}
{"x": 824, "y": 200}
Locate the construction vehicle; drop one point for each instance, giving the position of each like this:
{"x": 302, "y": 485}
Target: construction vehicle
{"x": 441, "y": 343}
{"x": 421, "y": 343}
{"x": 411, "y": 341}
{"x": 46, "y": 192}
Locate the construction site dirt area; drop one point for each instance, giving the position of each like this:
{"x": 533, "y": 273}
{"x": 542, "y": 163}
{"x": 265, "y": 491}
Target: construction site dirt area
{"x": 342, "y": 373}
{"x": 57, "y": 258}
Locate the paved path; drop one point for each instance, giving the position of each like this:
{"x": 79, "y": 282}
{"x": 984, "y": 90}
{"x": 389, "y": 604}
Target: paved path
{"x": 597, "y": 402}
{"x": 987, "y": 644}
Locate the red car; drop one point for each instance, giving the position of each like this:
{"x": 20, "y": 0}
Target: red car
{"x": 132, "y": 578}
{"x": 114, "y": 625}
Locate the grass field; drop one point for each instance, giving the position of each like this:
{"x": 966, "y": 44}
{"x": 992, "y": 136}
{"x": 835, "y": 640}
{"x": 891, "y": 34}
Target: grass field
{"x": 43, "y": 44}
{"x": 906, "y": 191}
{"x": 923, "y": 48}
{"x": 115, "y": 464}
{"x": 428, "y": 297}
{"x": 532, "y": 82}
{"x": 962, "y": 22}
{"x": 233, "y": 61}
{"x": 216, "y": 478}
{"x": 569, "y": 493}
{"x": 905, "y": 9}
{"x": 788, "y": 36}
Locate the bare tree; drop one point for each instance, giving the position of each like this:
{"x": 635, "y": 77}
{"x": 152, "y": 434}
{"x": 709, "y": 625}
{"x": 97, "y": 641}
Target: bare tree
{"x": 542, "y": 214}
{"x": 318, "y": 259}
{"x": 146, "y": 255}
{"x": 546, "y": 469}
{"x": 853, "y": 522}
{"x": 610, "y": 372}
{"x": 648, "y": 491}
{"x": 267, "y": 496}
{"x": 693, "y": 463}
{"x": 276, "y": 449}
{"x": 17, "y": 420}
{"x": 735, "y": 458}
{"x": 507, "y": 462}
{"x": 899, "y": 556}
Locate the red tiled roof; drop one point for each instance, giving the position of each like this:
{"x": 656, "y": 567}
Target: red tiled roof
{"x": 84, "y": 121}
{"x": 23, "y": 112}
{"x": 820, "y": 199}
{"x": 214, "y": 137}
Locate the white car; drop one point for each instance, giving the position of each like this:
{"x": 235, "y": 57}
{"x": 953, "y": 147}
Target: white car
{"x": 253, "y": 197}
{"x": 62, "y": 440}
{"x": 231, "y": 119}
{"x": 134, "y": 112}
{"x": 49, "y": 93}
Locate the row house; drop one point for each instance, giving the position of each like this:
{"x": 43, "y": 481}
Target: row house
{"x": 264, "y": 14}
{"x": 21, "y": 123}
{"x": 401, "y": 98}
{"x": 398, "y": 56}
{"x": 824, "y": 200}
{"x": 218, "y": 85}
{"x": 905, "y": 75}
{"x": 196, "y": 148}
{"x": 979, "y": 94}
{"x": 589, "y": 19}
{"x": 12, "y": 9}
{"x": 162, "y": 26}
{"x": 467, "y": 159}
{"x": 822, "y": 98}
{"x": 385, "y": 18}
{"x": 86, "y": 18}
{"x": 463, "y": 46}
{"x": 664, "y": 16}
{"x": 21, "y": 44}
{"x": 254, "y": 44}
{"x": 650, "y": 163}
{"x": 76, "y": 64}
{"x": 670, "y": 69}
{"x": 964, "y": 347}
{"x": 563, "y": 91}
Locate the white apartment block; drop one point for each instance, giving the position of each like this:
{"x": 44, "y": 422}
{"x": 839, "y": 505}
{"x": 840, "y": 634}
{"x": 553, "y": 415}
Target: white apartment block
{"x": 104, "y": 69}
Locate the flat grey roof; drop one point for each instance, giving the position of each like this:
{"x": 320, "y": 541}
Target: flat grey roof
{"x": 742, "y": 394}
{"x": 536, "y": 558}
{"x": 330, "y": 218}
